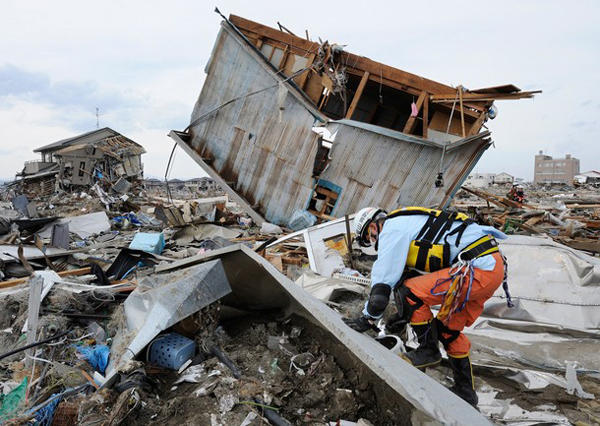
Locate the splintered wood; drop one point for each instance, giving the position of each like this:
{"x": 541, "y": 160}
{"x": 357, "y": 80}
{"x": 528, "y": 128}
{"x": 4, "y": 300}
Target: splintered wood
{"x": 575, "y": 223}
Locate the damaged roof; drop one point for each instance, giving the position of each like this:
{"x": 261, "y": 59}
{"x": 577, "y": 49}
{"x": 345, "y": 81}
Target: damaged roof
{"x": 395, "y": 136}
{"x": 109, "y": 141}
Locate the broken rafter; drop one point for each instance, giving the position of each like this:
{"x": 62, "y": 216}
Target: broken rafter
{"x": 412, "y": 121}
{"x": 462, "y": 111}
{"x": 357, "y": 95}
{"x": 484, "y": 96}
{"x": 356, "y": 62}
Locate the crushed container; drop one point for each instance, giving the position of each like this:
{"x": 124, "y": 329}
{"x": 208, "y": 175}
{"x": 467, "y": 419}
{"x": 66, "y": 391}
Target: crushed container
{"x": 148, "y": 242}
{"x": 171, "y": 350}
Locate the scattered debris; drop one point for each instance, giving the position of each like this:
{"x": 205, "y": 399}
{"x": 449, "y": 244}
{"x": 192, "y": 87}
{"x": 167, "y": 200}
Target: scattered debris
{"x": 125, "y": 301}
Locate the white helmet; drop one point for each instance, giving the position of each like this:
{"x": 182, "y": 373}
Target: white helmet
{"x": 362, "y": 220}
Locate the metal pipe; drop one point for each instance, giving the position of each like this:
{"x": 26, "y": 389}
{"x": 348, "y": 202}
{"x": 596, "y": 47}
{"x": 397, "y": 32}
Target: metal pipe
{"x": 34, "y": 344}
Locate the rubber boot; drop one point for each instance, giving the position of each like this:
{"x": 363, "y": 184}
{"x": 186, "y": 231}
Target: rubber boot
{"x": 428, "y": 353}
{"x": 464, "y": 385}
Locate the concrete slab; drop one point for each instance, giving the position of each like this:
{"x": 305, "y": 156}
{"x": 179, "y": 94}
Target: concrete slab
{"x": 410, "y": 396}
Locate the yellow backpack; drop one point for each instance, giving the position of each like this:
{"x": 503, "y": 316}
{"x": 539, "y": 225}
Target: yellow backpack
{"x": 427, "y": 252}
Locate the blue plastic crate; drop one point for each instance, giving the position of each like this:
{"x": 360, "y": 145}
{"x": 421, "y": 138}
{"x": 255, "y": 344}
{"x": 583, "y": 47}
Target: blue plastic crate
{"x": 171, "y": 351}
{"x": 148, "y": 242}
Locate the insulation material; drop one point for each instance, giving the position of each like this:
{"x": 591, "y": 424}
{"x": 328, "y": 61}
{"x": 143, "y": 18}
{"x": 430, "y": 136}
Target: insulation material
{"x": 550, "y": 283}
{"x": 555, "y": 320}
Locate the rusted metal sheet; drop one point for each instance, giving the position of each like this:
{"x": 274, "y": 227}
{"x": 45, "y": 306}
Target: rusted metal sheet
{"x": 389, "y": 170}
{"x": 266, "y": 154}
{"x": 268, "y": 162}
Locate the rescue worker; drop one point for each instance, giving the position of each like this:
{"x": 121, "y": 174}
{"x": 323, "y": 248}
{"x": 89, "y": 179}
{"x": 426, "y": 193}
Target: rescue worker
{"x": 451, "y": 261}
{"x": 516, "y": 193}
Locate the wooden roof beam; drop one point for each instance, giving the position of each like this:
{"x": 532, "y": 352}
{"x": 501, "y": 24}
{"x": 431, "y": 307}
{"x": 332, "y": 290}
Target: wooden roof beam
{"x": 484, "y": 96}
{"x": 410, "y": 125}
{"x": 355, "y": 61}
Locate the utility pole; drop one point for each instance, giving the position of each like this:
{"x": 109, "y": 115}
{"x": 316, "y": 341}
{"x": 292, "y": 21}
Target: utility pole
{"x": 97, "y": 118}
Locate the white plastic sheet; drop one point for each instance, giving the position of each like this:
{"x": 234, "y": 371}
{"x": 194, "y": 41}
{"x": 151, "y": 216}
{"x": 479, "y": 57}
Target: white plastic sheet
{"x": 163, "y": 300}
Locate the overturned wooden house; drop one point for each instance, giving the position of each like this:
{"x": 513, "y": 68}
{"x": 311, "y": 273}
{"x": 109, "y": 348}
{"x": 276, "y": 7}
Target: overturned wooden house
{"x": 102, "y": 155}
{"x": 287, "y": 124}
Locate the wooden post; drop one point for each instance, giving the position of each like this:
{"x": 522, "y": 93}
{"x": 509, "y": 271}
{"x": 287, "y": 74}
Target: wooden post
{"x": 462, "y": 111}
{"x": 357, "y": 95}
{"x": 409, "y": 127}
{"x": 304, "y": 76}
{"x": 349, "y": 241}
{"x": 35, "y": 298}
{"x": 425, "y": 116}
{"x": 284, "y": 57}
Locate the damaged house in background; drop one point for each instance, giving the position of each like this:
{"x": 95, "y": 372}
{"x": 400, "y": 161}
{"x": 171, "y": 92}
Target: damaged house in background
{"x": 100, "y": 155}
{"x": 290, "y": 126}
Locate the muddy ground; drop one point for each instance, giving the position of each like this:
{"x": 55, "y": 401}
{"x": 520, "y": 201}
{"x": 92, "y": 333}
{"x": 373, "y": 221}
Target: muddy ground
{"x": 285, "y": 364}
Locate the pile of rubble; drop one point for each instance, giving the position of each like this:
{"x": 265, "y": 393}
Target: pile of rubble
{"x": 567, "y": 215}
{"x": 121, "y": 304}
{"x": 145, "y": 311}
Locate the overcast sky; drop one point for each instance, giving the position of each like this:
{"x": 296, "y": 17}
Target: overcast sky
{"x": 142, "y": 64}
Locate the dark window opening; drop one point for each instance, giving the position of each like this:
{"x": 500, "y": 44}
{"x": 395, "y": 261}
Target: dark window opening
{"x": 321, "y": 159}
{"x": 81, "y": 168}
{"x": 323, "y": 201}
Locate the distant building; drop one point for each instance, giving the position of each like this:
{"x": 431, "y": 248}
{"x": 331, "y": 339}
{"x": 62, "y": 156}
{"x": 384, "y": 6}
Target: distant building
{"x": 176, "y": 184}
{"x": 560, "y": 170}
{"x": 591, "y": 177}
{"x": 153, "y": 183}
{"x": 502, "y": 178}
{"x": 480, "y": 180}
{"x": 100, "y": 155}
{"x": 201, "y": 184}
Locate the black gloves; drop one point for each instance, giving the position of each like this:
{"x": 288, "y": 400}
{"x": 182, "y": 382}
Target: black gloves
{"x": 378, "y": 301}
{"x": 360, "y": 324}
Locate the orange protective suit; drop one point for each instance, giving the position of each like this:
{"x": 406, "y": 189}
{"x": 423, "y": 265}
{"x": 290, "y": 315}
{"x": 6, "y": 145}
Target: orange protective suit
{"x": 485, "y": 284}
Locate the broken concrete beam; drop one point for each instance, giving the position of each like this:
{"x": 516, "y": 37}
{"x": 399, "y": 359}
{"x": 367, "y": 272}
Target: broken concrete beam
{"x": 405, "y": 395}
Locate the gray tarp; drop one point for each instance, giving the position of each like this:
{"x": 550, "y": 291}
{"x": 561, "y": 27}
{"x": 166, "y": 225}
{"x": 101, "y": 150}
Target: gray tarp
{"x": 556, "y": 318}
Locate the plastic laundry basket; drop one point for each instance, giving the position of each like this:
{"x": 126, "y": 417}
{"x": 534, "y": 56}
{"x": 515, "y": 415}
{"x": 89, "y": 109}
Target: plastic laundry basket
{"x": 171, "y": 350}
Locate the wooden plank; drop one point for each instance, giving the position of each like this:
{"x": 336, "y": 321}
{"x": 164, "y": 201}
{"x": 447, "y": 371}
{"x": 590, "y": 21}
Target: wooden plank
{"x": 17, "y": 281}
{"x": 356, "y": 61}
{"x": 304, "y": 76}
{"x": 322, "y": 216}
{"x": 409, "y": 128}
{"x": 90, "y": 379}
{"x": 476, "y": 126}
{"x": 284, "y": 58}
{"x": 484, "y": 97}
{"x": 327, "y": 192}
{"x": 462, "y": 111}
{"x": 275, "y": 260}
{"x": 357, "y": 95}
{"x": 425, "y": 117}
{"x": 35, "y": 299}
{"x": 584, "y": 245}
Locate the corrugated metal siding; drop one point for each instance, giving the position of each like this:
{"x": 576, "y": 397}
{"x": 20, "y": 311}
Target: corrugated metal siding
{"x": 380, "y": 170}
{"x": 270, "y": 162}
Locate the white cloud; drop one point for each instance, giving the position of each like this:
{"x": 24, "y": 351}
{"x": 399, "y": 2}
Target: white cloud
{"x": 142, "y": 62}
